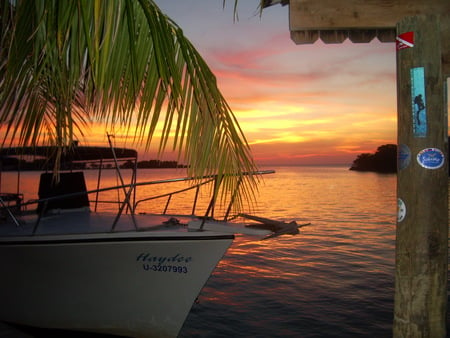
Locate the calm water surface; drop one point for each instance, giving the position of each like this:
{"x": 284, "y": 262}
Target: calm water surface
{"x": 334, "y": 279}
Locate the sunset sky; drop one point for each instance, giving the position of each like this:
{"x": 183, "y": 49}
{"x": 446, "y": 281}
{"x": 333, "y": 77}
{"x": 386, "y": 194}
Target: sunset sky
{"x": 297, "y": 104}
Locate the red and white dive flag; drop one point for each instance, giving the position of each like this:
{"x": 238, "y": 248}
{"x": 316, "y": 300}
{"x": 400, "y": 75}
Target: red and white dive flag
{"x": 405, "y": 40}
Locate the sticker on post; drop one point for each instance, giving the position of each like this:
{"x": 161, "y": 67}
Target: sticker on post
{"x": 431, "y": 158}
{"x": 401, "y": 210}
{"x": 403, "y": 156}
{"x": 418, "y": 102}
{"x": 405, "y": 40}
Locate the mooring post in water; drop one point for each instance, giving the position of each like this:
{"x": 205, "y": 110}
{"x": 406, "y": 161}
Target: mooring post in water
{"x": 422, "y": 184}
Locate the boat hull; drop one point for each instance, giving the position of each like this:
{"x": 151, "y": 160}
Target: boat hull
{"x": 131, "y": 284}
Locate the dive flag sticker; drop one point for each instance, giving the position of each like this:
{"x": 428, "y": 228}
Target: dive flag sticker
{"x": 405, "y": 40}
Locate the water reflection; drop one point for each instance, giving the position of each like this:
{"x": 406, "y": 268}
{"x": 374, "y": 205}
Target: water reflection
{"x": 334, "y": 279}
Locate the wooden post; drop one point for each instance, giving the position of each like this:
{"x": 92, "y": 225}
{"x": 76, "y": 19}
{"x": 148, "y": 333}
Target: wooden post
{"x": 422, "y": 184}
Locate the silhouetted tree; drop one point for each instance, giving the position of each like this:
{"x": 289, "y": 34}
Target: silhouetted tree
{"x": 384, "y": 160}
{"x": 363, "y": 162}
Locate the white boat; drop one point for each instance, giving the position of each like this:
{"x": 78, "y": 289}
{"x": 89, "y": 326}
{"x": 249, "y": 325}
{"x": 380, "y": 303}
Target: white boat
{"x": 66, "y": 266}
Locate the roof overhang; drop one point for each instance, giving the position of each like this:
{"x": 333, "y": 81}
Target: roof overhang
{"x": 360, "y": 21}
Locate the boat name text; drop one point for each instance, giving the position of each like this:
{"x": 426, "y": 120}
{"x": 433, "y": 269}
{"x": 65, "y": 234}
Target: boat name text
{"x": 178, "y": 258}
{"x": 175, "y": 263}
{"x": 165, "y": 268}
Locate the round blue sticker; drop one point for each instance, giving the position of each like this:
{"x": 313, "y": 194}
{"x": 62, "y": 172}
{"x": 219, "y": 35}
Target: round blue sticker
{"x": 404, "y": 156}
{"x": 431, "y": 158}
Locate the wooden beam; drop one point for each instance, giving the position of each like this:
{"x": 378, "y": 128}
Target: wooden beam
{"x": 445, "y": 44}
{"x": 358, "y": 14}
{"x": 361, "y": 35}
{"x": 305, "y": 37}
{"x": 422, "y": 184}
{"x": 302, "y": 37}
{"x": 334, "y": 21}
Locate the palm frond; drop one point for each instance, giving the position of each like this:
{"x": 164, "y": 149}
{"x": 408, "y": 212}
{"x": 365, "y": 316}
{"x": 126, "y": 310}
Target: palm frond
{"x": 67, "y": 64}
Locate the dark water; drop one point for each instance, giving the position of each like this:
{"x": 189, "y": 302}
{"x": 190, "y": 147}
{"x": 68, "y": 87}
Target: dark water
{"x": 334, "y": 279}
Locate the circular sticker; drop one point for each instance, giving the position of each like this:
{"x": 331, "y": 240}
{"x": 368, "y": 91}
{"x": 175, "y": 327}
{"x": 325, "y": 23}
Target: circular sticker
{"x": 431, "y": 158}
{"x": 403, "y": 156}
{"x": 401, "y": 210}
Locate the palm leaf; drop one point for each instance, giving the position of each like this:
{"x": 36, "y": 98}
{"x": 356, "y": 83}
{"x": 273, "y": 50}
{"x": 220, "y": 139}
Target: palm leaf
{"x": 67, "y": 64}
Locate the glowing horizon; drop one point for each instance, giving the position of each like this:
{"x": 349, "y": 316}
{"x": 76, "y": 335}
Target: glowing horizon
{"x": 307, "y": 104}
{"x": 296, "y": 104}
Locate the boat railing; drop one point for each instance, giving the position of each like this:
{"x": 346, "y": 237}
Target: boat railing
{"x": 126, "y": 205}
{"x": 10, "y": 204}
{"x": 169, "y": 195}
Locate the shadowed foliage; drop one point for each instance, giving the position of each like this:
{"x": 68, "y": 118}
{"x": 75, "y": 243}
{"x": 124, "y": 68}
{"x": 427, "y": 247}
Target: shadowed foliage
{"x": 384, "y": 160}
{"x": 67, "y": 64}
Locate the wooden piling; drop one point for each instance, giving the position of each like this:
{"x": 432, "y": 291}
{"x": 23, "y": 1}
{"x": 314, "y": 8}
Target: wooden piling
{"x": 422, "y": 184}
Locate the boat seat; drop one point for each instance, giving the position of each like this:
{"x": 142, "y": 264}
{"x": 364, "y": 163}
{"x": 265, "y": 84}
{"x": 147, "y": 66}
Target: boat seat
{"x": 12, "y": 202}
{"x": 9, "y": 198}
{"x": 69, "y": 183}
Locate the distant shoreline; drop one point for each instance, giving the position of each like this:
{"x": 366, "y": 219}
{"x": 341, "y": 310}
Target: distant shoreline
{"x": 384, "y": 160}
{"x": 18, "y": 165}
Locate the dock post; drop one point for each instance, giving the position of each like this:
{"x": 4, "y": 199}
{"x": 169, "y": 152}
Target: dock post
{"x": 422, "y": 183}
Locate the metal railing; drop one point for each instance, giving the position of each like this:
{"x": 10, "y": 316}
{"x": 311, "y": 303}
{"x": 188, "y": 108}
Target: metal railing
{"x": 125, "y": 205}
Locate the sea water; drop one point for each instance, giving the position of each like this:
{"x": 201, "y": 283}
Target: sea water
{"x": 334, "y": 279}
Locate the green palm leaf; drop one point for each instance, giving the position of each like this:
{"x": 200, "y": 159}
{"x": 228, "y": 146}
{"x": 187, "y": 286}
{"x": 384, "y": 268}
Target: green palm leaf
{"x": 67, "y": 64}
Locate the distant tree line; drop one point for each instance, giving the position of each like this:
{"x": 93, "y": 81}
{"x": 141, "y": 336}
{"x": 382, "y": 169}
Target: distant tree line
{"x": 14, "y": 164}
{"x": 153, "y": 164}
{"x": 384, "y": 160}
